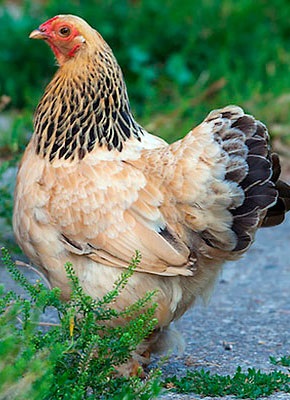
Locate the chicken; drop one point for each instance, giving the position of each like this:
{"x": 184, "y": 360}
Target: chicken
{"x": 93, "y": 186}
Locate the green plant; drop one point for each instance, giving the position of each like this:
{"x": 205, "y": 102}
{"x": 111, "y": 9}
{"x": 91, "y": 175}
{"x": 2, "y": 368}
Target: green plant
{"x": 16, "y": 133}
{"x": 6, "y": 196}
{"x": 5, "y": 204}
{"x": 7, "y": 177}
{"x": 77, "y": 357}
{"x": 250, "y": 385}
{"x": 283, "y": 361}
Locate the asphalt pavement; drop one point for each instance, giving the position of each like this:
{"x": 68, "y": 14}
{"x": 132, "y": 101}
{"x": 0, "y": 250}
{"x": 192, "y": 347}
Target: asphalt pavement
{"x": 248, "y": 317}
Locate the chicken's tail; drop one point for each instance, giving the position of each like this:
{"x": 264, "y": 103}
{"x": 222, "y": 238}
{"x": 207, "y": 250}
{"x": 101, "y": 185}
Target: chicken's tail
{"x": 276, "y": 214}
{"x": 267, "y": 198}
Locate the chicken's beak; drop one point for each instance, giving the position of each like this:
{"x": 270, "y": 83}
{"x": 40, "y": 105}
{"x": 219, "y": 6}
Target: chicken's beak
{"x": 38, "y": 34}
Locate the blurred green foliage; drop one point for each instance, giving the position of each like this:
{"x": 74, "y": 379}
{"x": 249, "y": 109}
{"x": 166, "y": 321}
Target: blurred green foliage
{"x": 180, "y": 58}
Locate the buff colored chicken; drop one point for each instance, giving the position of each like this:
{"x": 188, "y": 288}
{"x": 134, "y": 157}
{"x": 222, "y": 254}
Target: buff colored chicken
{"x": 93, "y": 186}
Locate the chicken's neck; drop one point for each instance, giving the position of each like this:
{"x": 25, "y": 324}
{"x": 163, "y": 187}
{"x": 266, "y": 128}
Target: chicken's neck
{"x": 84, "y": 107}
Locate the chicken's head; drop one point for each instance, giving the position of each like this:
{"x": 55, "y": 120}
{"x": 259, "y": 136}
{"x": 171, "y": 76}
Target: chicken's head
{"x": 67, "y": 35}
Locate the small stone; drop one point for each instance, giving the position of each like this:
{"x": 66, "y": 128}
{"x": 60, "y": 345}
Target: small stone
{"x": 228, "y": 346}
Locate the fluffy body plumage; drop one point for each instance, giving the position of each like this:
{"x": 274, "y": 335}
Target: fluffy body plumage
{"x": 94, "y": 186}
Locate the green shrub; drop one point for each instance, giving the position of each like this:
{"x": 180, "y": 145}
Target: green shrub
{"x": 76, "y": 358}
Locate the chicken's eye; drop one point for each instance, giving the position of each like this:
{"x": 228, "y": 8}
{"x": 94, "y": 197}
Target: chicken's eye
{"x": 64, "y": 31}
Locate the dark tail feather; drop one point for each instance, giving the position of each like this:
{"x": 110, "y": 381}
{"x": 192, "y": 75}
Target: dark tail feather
{"x": 256, "y": 170}
{"x": 276, "y": 214}
{"x": 262, "y": 187}
{"x": 259, "y": 183}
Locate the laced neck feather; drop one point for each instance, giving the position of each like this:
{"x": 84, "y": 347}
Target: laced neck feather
{"x": 84, "y": 106}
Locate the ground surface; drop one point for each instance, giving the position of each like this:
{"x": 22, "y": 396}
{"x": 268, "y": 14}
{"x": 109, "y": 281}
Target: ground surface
{"x": 248, "y": 313}
{"x": 247, "y": 319}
